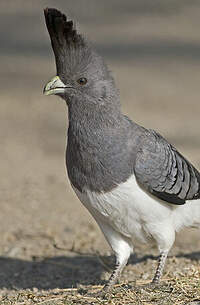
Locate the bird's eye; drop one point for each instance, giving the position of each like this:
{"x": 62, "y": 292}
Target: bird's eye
{"x": 82, "y": 81}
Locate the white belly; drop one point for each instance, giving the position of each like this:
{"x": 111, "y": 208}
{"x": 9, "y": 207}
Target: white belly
{"x": 127, "y": 208}
{"x": 135, "y": 214}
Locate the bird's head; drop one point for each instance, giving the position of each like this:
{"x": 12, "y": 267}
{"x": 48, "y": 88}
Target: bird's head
{"x": 81, "y": 72}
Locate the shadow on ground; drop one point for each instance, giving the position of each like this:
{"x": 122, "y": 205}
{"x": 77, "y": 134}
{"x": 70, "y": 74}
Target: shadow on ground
{"x": 61, "y": 271}
{"x": 57, "y": 272}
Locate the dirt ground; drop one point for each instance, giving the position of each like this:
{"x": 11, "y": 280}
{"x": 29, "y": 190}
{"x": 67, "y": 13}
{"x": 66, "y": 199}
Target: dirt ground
{"x": 51, "y": 250}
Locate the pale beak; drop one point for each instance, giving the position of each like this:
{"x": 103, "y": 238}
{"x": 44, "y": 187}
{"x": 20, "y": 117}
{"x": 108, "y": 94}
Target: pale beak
{"x": 54, "y": 86}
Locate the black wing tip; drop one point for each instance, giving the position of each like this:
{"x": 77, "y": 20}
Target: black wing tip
{"x": 171, "y": 198}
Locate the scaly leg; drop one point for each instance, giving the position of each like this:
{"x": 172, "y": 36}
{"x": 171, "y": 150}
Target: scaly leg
{"x": 160, "y": 267}
{"x": 122, "y": 247}
{"x": 115, "y": 275}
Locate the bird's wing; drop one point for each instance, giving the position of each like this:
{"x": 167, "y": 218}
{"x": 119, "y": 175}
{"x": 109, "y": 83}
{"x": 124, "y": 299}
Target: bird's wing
{"x": 164, "y": 172}
{"x": 63, "y": 35}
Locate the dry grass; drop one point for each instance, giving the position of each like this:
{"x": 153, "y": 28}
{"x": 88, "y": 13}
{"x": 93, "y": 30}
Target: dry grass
{"x": 176, "y": 291}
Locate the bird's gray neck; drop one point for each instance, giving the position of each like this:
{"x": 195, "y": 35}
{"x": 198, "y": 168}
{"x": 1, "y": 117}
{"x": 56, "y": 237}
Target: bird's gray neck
{"x": 87, "y": 118}
{"x": 97, "y": 142}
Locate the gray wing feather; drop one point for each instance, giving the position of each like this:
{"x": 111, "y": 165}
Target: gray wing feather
{"x": 164, "y": 172}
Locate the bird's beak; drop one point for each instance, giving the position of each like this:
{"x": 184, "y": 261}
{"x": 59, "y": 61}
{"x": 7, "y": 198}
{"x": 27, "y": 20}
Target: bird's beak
{"x": 54, "y": 86}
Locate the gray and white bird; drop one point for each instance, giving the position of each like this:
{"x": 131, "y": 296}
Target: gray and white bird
{"x": 134, "y": 183}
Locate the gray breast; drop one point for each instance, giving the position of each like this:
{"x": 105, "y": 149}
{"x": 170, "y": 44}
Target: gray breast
{"x": 99, "y": 160}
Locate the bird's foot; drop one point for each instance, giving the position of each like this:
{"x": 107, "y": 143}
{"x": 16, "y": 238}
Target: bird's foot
{"x": 110, "y": 289}
{"x": 99, "y": 294}
{"x": 152, "y": 285}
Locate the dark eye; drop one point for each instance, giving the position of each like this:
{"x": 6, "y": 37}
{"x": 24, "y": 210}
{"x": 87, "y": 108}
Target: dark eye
{"x": 82, "y": 81}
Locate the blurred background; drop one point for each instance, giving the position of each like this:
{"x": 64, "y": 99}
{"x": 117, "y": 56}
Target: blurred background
{"x": 153, "y": 50}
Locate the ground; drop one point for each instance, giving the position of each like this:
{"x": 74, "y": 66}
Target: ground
{"x": 51, "y": 250}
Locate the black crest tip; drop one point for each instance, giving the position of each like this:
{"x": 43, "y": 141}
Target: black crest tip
{"x": 61, "y": 29}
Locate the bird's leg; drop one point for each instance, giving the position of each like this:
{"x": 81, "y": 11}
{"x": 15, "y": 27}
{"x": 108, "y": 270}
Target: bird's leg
{"x": 115, "y": 275}
{"x": 121, "y": 260}
{"x": 122, "y": 248}
{"x": 112, "y": 280}
{"x": 160, "y": 267}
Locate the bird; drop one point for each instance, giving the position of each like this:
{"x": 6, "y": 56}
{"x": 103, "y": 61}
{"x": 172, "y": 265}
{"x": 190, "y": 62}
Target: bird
{"x": 134, "y": 183}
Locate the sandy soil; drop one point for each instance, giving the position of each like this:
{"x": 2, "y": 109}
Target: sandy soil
{"x": 48, "y": 240}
